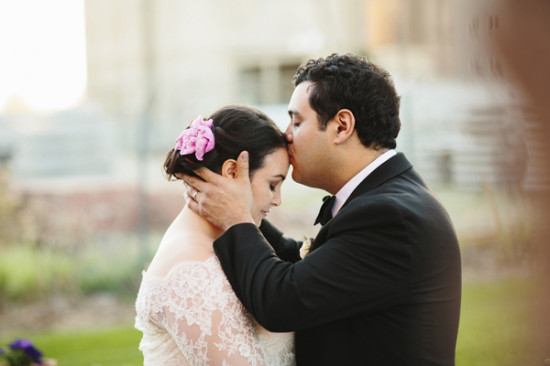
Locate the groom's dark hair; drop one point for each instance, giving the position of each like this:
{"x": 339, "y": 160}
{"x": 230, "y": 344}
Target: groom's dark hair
{"x": 352, "y": 82}
{"x": 236, "y": 128}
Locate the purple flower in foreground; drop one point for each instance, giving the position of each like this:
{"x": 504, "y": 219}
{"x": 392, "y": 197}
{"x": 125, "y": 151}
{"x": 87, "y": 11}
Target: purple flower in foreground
{"x": 28, "y": 348}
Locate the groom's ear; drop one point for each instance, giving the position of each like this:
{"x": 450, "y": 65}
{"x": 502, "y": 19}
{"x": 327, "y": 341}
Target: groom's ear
{"x": 229, "y": 168}
{"x": 343, "y": 126}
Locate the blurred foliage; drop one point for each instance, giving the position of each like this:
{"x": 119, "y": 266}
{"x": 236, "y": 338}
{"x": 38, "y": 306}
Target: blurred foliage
{"x": 12, "y": 214}
{"x": 515, "y": 222}
{"x": 45, "y": 254}
{"x": 28, "y": 274}
{"x": 27, "y": 219}
{"x": 114, "y": 274}
{"x": 498, "y": 223}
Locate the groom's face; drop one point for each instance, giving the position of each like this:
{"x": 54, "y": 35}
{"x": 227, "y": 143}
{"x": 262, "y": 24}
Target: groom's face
{"x": 308, "y": 146}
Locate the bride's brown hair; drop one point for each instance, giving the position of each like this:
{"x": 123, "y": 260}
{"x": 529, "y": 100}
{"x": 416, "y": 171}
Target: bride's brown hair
{"x": 236, "y": 128}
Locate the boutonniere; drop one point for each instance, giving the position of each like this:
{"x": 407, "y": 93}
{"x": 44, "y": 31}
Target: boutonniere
{"x": 306, "y": 245}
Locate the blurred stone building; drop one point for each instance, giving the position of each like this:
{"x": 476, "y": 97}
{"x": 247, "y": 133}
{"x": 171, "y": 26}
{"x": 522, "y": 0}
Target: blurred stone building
{"x": 156, "y": 65}
{"x": 170, "y": 60}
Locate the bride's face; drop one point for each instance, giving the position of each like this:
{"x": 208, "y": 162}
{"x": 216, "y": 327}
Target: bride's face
{"x": 266, "y": 184}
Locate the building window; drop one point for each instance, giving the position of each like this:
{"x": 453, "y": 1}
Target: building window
{"x": 267, "y": 84}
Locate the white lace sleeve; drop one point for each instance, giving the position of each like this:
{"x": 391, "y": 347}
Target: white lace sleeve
{"x": 195, "y": 305}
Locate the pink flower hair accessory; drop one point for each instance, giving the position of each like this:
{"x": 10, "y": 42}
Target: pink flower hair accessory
{"x": 197, "y": 138}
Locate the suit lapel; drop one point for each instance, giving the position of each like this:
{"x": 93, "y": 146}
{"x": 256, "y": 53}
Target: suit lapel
{"x": 396, "y": 165}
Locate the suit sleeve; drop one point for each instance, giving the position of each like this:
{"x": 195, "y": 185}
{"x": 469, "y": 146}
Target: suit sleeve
{"x": 285, "y": 248}
{"x": 362, "y": 265}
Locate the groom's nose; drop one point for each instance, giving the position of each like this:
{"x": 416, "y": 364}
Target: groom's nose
{"x": 288, "y": 133}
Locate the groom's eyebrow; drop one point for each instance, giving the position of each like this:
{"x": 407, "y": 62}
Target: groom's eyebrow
{"x": 292, "y": 113}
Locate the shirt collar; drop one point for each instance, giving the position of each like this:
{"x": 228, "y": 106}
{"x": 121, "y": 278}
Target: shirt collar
{"x": 344, "y": 193}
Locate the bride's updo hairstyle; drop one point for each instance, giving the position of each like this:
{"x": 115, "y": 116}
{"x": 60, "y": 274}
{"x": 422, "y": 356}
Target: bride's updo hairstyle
{"x": 235, "y": 129}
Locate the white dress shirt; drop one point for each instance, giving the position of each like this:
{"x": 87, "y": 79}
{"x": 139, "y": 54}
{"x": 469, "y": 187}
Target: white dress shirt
{"x": 344, "y": 193}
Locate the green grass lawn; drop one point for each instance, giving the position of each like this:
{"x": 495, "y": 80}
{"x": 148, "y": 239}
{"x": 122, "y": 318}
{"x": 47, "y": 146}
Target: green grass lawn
{"x": 494, "y": 330}
{"x": 107, "y": 347}
{"x": 497, "y": 325}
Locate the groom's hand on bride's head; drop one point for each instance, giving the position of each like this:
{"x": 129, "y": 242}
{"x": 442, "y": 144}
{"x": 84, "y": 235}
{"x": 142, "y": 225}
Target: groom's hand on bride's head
{"x": 223, "y": 200}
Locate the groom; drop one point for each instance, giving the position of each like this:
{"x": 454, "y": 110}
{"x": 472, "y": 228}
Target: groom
{"x": 381, "y": 284}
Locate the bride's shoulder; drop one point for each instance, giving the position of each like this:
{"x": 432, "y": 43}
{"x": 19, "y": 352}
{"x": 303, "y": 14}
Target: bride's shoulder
{"x": 180, "y": 253}
{"x": 170, "y": 258}
{"x": 201, "y": 280}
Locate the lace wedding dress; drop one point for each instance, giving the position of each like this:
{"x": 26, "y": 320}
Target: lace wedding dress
{"x": 192, "y": 317}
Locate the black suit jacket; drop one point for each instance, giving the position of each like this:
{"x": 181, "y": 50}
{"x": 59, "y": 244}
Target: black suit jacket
{"x": 380, "y": 286}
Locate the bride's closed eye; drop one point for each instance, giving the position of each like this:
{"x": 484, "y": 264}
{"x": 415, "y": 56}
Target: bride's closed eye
{"x": 274, "y": 184}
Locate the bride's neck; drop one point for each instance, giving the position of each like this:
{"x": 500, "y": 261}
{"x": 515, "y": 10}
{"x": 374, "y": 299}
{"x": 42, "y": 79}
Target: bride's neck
{"x": 197, "y": 223}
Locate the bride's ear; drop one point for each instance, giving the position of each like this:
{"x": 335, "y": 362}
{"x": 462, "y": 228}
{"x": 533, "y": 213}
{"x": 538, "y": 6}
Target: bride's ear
{"x": 229, "y": 168}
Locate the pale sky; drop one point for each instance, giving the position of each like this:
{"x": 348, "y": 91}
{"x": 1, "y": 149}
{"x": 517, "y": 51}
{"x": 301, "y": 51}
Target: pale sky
{"x": 42, "y": 52}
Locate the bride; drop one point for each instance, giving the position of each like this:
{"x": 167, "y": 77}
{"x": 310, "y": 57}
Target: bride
{"x": 186, "y": 308}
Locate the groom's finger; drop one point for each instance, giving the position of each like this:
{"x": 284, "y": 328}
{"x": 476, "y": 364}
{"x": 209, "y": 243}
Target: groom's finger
{"x": 193, "y": 205}
{"x": 242, "y": 166}
{"x": 193, "y": 183}
{"x": 206, "y": 174}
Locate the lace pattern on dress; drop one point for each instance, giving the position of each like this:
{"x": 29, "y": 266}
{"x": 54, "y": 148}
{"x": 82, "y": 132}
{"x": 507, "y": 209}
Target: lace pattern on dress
{"x": 195, "y": 309}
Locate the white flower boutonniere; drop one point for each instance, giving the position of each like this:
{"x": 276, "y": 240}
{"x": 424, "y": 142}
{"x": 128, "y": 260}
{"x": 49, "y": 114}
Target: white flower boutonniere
{"x": 306, "y": 245}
